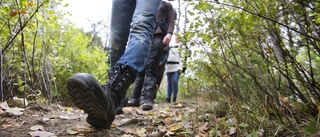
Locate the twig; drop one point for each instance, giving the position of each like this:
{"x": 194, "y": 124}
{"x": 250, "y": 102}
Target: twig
{"x": 21, "y": 124}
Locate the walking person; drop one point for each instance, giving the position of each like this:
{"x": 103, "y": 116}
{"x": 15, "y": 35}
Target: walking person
{"x": 173, "y": 70}
{"x": 146, "y": 80}
{"x": 130, "y": 19}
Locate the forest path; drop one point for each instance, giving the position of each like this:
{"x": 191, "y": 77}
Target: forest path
{"x": 168, "y": 119}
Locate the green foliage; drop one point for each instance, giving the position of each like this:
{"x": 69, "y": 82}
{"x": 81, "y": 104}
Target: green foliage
{"x": 312, "y": 129}
{"x": 42, "y": 49}
{"x": 254, "y": 54}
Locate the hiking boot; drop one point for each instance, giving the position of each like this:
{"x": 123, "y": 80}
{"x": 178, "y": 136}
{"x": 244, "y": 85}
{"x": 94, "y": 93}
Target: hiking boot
{"x": 134, "y": 102}
{"x": 168, "y": 100}
{"x": 97, "y": 122}
{"x": 174, "y": 100}
{"x": 147, "y": 105}
{"x": 123, "y": 103}
{"x": 119, "y": 82}
{"x": 142, "y": 101}
{"x": 87, "y": 94}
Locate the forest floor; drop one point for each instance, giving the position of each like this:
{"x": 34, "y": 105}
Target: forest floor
{"x": 167, "y": 119}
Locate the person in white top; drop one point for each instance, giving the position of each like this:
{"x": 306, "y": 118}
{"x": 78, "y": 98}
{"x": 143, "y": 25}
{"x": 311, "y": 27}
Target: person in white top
{"x": 173, "y": 69}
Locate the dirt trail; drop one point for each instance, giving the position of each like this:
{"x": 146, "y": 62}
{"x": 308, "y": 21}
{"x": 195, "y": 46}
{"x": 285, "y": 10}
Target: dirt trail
{"x": 54, "y": 120}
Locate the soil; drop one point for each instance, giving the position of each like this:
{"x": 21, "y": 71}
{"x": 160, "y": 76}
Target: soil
{"x": 174, "y": 119}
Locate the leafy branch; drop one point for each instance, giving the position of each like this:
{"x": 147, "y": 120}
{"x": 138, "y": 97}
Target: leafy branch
{"x": 22, "y": 28}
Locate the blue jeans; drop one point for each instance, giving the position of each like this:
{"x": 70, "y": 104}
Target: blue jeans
{"x": 173, "y": 80}
{"x": 133, "y": 19}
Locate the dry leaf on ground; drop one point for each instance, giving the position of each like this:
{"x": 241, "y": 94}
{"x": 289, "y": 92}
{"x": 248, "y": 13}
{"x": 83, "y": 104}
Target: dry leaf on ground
{"x": 37, "y": 128}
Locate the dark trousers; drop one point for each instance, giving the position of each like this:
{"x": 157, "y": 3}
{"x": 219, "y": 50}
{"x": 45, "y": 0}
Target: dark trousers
{"x": 147, "y": 79}
{"x": 161, "y": 70}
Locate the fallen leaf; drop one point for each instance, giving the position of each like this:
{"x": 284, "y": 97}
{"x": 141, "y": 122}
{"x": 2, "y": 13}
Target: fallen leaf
{"x": 6, "y": 125}
{"x": 232, "y": 131}
{"x": 2, "y": 113}
{"x": 179, "y": 105}
{"x": 129, "y": 131}
{"x": 141, "y": 132}
{"x": 168, "y": 121}
{"x": 42, "y": 134}
{"x": 37, "y": 128}
{"x": 205, "y": 127}
{"x": 72, "y": 132}
{"x": 4, "y": 105}
{"x": 114, "y": 125}
{"x": 86, "y": 129}
{"x": 161, "y": 131}
{"x": 68, "y": 109}
{"x": 175, "y": 127}
{"x": 188, "y": 125}
{"x": 8, "y": 122}
{"x": 15, "y": 111}
{"x": 69, "y": 118}
{"x": 162, "y": 115}
{"x": 45, "y": 119}
{"x": 125, "y": 120}
{"x": 158, "y": 122}
{"x": 169, "y": 133}
{"x": 19, "y": 102}
{"x": 149, "y": 129}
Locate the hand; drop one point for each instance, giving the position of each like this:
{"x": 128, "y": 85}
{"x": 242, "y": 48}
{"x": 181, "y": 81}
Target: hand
{"x": 166, "y": 39}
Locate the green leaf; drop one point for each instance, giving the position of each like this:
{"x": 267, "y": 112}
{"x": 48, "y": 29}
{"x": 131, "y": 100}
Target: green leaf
{"x": 24, "y": 3}
{"x": 20, "y": 82}
{"x": 312, "y": 129}
{"x": 254, "y": 134}
{"x": 39, "y": 17}
{"x": 243, "y": 125}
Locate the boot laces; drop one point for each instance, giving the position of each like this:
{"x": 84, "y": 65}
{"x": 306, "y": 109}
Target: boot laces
{"x": 116, "y": 77}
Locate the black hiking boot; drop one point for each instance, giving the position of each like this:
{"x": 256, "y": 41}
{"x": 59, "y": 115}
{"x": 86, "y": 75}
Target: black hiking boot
{"x": 134, "y": 102}
{"x": 119, "y": 82}
{"x": 174, "y": 100}
{"x": 147, "y": 105}
{"x": 123, "y": 103}
{"x": 87, "y": 94}
{"x": 168, "y": 100}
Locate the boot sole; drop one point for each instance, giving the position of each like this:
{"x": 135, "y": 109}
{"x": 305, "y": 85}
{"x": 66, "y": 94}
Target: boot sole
{"x": 86, "y": 94}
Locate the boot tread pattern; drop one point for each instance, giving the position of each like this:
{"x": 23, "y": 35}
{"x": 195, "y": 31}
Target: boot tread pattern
{"x": 83, "y": 97}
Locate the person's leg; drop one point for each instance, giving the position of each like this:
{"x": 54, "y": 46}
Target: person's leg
{"x": 141, "y": 34}
{"x": 134, "y": 58}
{"x": 84, "y": 90}
{"x": 152, "y": 66}
{"x": 133, "y": 61}
{"x": 175, "y": 83}
{"x": 169, "y": 91}
{"x": 135, "y": 100}
{"x": 119, "y": 33}
{"x": 121, "y": 18}
{"x": 160, "y": 75}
